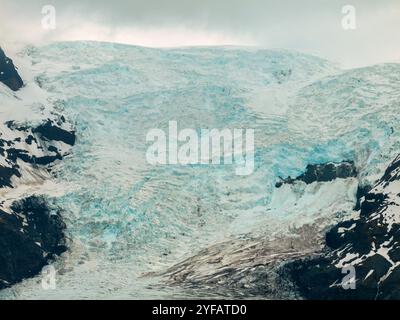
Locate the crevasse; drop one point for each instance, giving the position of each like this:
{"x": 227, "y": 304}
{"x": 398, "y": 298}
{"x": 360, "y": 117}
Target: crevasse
{"x": 126, "y": 218}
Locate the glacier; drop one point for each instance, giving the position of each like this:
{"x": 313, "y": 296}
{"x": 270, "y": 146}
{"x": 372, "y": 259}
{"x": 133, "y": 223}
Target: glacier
{"x": 138, "y": 231}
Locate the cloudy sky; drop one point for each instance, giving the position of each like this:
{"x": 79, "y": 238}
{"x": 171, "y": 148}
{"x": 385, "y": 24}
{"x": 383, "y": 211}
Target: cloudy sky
{"x": 312, "y": 26}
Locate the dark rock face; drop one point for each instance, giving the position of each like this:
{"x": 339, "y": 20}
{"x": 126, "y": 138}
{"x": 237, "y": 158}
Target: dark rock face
{"x": 8, "y": 73}
{"x": 6, "y": 174}
{"x": 323, "y": 173}
{"x": 31, "y": 230}
{"x": 30, "y": 235}
{"x": 370, "y": 244}
{"x": 50, "y": 131}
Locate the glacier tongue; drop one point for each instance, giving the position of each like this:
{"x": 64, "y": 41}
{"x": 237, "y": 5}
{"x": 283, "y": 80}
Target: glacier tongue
{"x": 127, "y": 218}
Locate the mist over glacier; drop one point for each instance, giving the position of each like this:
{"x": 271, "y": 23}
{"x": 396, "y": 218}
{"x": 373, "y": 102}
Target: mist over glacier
{"x": 129, "y": 221}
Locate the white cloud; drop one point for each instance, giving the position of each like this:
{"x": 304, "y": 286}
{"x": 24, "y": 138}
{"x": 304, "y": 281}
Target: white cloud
{"x": 312, "y": 26}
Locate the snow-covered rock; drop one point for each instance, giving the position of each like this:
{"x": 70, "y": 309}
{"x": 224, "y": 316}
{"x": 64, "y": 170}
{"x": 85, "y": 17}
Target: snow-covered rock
{"x": 370, "y": 243}
{"x": 31, "y": 230}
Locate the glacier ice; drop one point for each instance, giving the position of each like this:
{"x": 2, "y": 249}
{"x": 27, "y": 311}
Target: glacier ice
{"x": 126, "y": 218}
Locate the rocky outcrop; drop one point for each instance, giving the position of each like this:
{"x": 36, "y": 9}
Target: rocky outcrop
{"x": 323, "y": 173}
{"x": 31, "y": 230}
{"x": 8, "y": 73}
{"x": 31, "y": 234}
{"x": 369, "y": 245}
{"x": 249, "y": 266}
{"x": 33, "y": 150}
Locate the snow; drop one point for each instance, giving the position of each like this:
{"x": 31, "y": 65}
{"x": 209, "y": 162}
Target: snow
{"x": 125, "y": 215}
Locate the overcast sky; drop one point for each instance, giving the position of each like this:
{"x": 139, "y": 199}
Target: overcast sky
{"x": 312, "y": 26}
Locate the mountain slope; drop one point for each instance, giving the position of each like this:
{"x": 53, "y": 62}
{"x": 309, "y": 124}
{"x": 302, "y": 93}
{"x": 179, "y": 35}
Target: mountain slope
{"x": 203, "y": 228}
{"x": 31, "y": 229}
{"x": 370, "y": 243}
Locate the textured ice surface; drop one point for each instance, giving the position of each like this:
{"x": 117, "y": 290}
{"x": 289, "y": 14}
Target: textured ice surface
{"x": 126, "y": 218}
